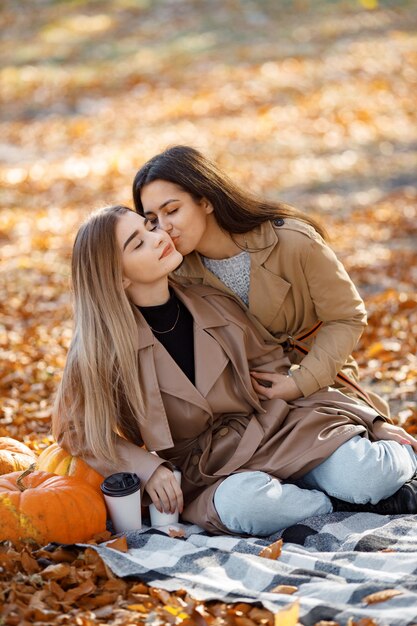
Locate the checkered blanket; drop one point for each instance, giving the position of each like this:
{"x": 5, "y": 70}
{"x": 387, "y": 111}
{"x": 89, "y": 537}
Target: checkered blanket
{"x": 335, "y": 561}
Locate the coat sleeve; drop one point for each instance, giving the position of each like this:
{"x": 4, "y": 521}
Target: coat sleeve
{"x": 130, "y": 457}
{"x": 339, "y": 306}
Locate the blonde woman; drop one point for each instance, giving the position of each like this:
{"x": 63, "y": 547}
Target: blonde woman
{"x": 154, "y": 367}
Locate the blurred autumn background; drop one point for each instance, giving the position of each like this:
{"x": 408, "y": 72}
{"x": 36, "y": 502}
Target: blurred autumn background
{"x": 309, "y": 101}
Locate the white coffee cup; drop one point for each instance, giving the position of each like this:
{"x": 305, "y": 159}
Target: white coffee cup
{"x": 121, "y": 492}
{"x": 163, "y": 519}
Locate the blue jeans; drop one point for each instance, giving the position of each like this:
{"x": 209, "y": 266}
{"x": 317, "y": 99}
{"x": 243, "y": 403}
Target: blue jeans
{"x": 359, "y": 471}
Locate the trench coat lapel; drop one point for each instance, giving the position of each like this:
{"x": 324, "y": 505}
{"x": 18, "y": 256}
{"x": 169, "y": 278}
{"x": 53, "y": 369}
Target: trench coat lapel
{"x": 209, "y": 358}
{"x": 212, "y": 352}
{"x": 240, "y": 363}
{"x": 174, "y": 382}
{"x": 161, "y": 374}
{"x": 277, "y": 291}
{"x": 262, "y": 240}
{"x": 156, "y": 432}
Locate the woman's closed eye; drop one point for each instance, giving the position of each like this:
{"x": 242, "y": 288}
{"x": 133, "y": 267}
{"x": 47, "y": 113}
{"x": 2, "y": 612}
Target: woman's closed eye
{"x": 155, "y": 220}
{"x": 150, "y": 227}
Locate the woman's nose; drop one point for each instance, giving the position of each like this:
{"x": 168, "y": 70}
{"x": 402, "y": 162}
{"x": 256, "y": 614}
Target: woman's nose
{"x": 159, "y": 237}
{"x": 165, "y": 223}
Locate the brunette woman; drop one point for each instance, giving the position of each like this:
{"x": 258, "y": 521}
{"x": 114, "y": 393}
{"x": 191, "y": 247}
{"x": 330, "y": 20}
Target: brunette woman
{"x": 272, "y": 256}
{"x": 166, "y": 369}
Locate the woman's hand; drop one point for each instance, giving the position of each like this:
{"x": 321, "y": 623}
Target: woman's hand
{"x": 164, "y": 490}
{"x": 384, "y": 430}
{"x": 279, "y": 386}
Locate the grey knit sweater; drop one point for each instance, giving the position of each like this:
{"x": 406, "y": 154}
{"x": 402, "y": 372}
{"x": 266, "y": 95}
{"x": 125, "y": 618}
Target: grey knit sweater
{"x": 233, "y": 272}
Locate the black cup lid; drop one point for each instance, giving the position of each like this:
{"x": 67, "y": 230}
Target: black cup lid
{"x": 120, "y": 484}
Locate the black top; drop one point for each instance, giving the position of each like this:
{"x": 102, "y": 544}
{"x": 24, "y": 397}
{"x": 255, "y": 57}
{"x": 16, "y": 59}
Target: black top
{"x": 175, "y": 323}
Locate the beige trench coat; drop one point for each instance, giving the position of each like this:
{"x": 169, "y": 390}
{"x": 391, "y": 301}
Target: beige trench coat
{"x": 296, "y": 280}
{"x": 219, "y": 426}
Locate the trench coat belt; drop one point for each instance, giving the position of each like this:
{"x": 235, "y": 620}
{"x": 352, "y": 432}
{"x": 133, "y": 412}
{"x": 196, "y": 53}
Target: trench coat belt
{"x": 246, "y": 448}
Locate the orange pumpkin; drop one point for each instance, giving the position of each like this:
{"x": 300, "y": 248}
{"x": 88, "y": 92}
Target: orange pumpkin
{"x": 43, "y": 507}
{"x": 14, "y": 456}
{"x": 56, "y": 460}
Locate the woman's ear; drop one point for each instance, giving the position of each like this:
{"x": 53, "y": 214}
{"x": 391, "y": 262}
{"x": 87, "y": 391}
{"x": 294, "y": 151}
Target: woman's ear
{"x": 126, "y": 282}
{"x": 207, "y": 206}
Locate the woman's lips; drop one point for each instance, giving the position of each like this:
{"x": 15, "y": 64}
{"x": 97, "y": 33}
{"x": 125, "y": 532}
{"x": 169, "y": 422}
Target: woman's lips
{"x": 167, "y": 250}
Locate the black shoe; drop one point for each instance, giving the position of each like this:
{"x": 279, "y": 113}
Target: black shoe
{"x": 401, "y": 502}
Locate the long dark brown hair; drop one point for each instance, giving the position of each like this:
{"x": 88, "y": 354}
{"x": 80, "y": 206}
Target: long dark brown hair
{"x": 235, "y": 211}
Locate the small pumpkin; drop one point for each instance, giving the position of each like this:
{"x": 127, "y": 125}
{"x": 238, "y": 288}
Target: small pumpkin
{"x": 56, "y": 460}
{"x": 15, "y": 456}
{"x": 43, "y": 507}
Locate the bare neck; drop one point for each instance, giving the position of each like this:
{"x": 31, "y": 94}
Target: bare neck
{"x": 149, "y": 295}
{"x": 217, "y": 243}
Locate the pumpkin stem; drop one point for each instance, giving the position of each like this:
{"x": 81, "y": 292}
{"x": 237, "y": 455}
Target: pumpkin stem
{"x": 23, "y": 475}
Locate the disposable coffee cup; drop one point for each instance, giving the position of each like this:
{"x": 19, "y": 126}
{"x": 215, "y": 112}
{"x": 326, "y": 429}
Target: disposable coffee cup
{"x": 163, "y": 519}
{"x": 121, "y": 492}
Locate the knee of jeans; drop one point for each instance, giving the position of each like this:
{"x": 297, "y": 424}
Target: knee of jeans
{"x": 238, "y": 502}
{"x": 393, "y": 466}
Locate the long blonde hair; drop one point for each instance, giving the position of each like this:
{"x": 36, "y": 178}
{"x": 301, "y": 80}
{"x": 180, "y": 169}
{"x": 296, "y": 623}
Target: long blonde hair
{"x": 99, "y": 395}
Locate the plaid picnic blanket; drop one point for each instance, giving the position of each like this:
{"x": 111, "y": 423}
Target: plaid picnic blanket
{"x": 335, "y": 561}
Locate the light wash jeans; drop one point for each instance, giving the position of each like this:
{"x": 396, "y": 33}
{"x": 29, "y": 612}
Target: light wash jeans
{"x": 359, "y": 471}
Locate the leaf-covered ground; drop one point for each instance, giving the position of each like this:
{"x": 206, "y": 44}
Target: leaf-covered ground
{"x": 309, "y": 102}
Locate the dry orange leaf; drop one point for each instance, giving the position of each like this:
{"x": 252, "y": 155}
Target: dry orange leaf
{"x": 382, "y": 596}
{"x": 140, "y": 588}
{"x": 387, "y": 550}
{"x": 84, "y": 589}
{"x": 288, "y": 589}
{"x": 115, "y": 584}
{"x": 162, "y": 595}
{"x": 60, "y": 555}
{"x": 100, "y": 601}
{"x": 244, "y": 621}
{"x": 288, "y": 616}
{"x": 259, "y": 615}
{"x": 30, "y": 565}
{"x": 176, "y": 532}
{"x": 55, "y": 589}
{"x": 39, "y": 615}
{"x": 241, "y": 608}
{"x": 120, "y": 544}
{"x": 375, "y": 350}
{"x": 104, "y": 536}
{"x": 272, "y": 551}
{"x": 140, "y": 608}
{"x": 56, "y": 572}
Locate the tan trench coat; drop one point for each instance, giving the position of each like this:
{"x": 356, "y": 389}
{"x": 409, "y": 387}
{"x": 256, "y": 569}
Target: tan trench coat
{"x": 219, "y": 426}
{"x": 296, "y": 280}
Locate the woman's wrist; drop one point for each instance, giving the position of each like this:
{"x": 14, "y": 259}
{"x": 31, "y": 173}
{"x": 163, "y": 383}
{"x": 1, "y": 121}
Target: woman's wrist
{"x": 292, "y": 387}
